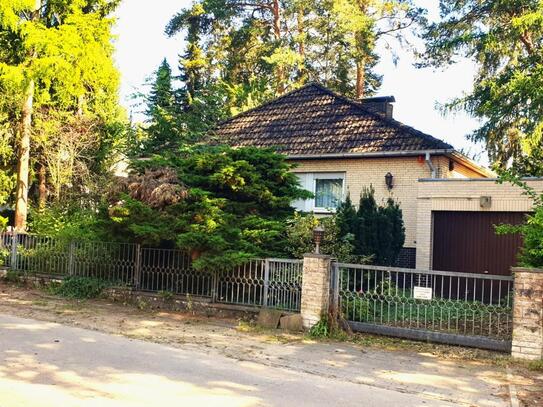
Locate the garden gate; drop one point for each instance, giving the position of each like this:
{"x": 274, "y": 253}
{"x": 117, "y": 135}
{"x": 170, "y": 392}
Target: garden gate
{"x": 439, "y": 306}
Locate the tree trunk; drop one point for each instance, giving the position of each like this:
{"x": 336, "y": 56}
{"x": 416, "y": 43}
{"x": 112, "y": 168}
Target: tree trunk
{"x": 280, "y": 71}
{"x": 301, "y": 40}
{"x": 21, "y": 204}
{"x": 360, "y": 78}
{"x": 42, "y": 189}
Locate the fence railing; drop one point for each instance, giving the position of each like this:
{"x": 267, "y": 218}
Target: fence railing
{"x": 274, "y": 283}
{"x": 436, "y": 301}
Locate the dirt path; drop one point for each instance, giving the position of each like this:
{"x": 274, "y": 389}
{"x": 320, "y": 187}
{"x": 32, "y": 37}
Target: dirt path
{"x": 467, "y": 377}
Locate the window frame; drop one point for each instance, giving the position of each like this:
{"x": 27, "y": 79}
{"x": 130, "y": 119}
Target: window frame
{"x": 310, "y": 183}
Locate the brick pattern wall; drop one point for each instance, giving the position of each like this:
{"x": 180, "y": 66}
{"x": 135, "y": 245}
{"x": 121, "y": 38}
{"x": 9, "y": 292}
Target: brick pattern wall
{"x": 407, "y": 258}
{"x": 363, "y": 172}
{"x": 315, "y": 289}
{"x": 462, "y": 195}
{"x": 528, "y": 314}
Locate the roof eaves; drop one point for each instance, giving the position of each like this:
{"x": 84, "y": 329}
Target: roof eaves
{"x": 468, "y": 162}
{"x": 372, "y": 154}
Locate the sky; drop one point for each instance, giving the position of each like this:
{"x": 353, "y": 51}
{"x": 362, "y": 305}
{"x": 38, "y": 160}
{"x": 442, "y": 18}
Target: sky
{"x": 141, "y": 45}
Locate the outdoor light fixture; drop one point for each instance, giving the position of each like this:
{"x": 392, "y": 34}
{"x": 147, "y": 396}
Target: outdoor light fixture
{"x": 318, "y": 234}
{"x": 389, "y": 180}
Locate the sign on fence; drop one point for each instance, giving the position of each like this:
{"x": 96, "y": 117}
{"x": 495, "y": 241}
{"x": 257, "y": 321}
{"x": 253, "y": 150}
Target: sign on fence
{"x": 422, "y": 293}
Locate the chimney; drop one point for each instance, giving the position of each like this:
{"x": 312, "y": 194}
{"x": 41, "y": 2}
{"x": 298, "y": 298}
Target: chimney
{"x": 380, "y": 104}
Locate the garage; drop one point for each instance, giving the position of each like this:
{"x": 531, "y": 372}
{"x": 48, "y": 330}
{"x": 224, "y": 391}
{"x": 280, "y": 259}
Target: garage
{"x": 465, "y": 241}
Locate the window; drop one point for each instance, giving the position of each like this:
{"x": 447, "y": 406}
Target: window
{"x": 328, "y": 189}
{"x": 328, "y": 193}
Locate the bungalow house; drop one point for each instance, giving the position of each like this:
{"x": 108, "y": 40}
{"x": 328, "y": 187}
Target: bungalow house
{"x": 342, "y": 145}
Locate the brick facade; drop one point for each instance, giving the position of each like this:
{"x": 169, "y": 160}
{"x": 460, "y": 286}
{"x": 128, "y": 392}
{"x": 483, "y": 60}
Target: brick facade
{"x": 528, "y": 314}
{"x": 462, "y": 195}
{"x": 407, "y": 258}
{"x": 363, "y": 172}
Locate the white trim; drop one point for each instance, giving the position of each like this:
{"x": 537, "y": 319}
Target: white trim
{"x": 308, "y": 181}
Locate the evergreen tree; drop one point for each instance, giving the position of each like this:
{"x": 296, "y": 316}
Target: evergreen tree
{"x": 366, "y": 233}
{"x": 346, "y": 217}
{"x": 379, "y": 232}
{"x": 505, "y": 40}
{"x": 56, "y": 57}
{"x": 222, "y": 205}
{"x": 258, "y": 50}
{"x": 162, "y": 132}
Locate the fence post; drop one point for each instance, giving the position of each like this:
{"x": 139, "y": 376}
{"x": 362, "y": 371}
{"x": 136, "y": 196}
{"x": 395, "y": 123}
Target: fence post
{"x": 315, "y": 289}
{"x": 527, "y": 314}
{"x": 334, "y": 289}
{"x": 266, "y": 283}
{"x": 13, "y": 265}
{"x": 214, "y": 286}
{"x": 71, "y": 253}
{"x": 137, "y": 268}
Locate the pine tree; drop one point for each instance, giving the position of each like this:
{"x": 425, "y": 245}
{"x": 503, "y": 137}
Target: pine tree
{"x": 505, "y": 40}
{"x": 161, "y": 111}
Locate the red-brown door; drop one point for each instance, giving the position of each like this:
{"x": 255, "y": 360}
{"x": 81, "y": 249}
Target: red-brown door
{"x": 467, "y": 242}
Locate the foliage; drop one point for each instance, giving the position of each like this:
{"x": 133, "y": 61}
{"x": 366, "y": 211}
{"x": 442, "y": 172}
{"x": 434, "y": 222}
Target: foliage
{"x": 233, "y": 205}
{"x": 531, "y": 253}
{"x": 248, "y": 52}
{"x": 300, "y": 238}
{"x": 58, "y": 59}
{"x": 505, "y": 40}
{"x": 68, "y": 222}
{"x": 378, "y": 230}
{"x": 371, "y": 234}
{"x": 79, "y": 288}
{"x": 327, "y": 329}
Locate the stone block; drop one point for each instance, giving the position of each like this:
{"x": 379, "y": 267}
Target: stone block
{"x": 291, "y": 322}
{"x": 269, "y": 318}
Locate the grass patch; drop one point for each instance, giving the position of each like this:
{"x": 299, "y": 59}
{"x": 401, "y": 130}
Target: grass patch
{"x": 79, "y": 288}
{"x": 536, "y": 365}
{"x": 12, "y": 277}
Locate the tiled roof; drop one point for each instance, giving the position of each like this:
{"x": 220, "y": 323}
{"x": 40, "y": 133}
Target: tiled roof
{"x": 314, "y": 120}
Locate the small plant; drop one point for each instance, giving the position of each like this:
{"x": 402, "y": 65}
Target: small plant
{"x": 166, "y": 295}
{"x": 79, "y": 287}
{"x": 12, "y": 276}
{"x": 327, "y": 329}
{"x": 536, "y": 365}
{"x": 320, "y": 329}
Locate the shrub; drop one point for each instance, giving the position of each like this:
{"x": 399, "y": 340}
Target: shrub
{"x": 300, "y": 238}
{"x": 79, "y": 287}
{"x": 531, "y": 252}
{"x": 231, "y": 204}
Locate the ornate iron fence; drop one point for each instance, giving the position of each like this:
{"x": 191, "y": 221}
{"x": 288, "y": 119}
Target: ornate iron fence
{"x": 274, "y": 283}
{"x": 459, "y": 308}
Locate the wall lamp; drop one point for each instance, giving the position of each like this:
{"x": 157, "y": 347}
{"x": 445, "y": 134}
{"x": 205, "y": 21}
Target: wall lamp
{"x": 389, "y": 180}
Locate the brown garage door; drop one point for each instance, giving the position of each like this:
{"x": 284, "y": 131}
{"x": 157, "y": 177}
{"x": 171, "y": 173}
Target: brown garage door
{"x": 467, "y": 242}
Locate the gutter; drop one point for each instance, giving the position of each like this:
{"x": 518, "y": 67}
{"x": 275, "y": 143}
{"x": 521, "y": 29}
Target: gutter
{"x": 430, "y": 165}
{"x": 370, "y": 154}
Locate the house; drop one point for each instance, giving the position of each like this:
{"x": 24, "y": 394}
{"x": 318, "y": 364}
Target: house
{"x": 342, "y": 145}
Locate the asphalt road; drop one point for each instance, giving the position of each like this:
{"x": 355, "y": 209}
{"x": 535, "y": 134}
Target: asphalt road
{"x": 46, "y": 364}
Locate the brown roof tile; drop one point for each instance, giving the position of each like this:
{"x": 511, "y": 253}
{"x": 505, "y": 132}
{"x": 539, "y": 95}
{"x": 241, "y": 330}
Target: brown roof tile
{"x": 314, "y": 120}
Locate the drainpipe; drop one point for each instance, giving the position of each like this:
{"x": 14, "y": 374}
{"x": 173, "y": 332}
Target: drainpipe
{"x": 430, "y": 165}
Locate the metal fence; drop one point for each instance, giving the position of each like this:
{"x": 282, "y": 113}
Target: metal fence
{"x": 458, "y": 308}
{"x": 274, "y": 283}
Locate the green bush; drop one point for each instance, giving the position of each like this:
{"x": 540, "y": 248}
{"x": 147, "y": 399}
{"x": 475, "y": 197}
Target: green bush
{"x": 531, "y": 253}
{"x": 79, "y": 287}
{"x": 300, "y": 238}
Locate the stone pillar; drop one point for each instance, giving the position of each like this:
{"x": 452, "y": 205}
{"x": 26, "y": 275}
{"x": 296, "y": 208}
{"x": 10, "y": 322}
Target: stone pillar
{"x": 528, "y": 314}
{"x": 315, "y": 288}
